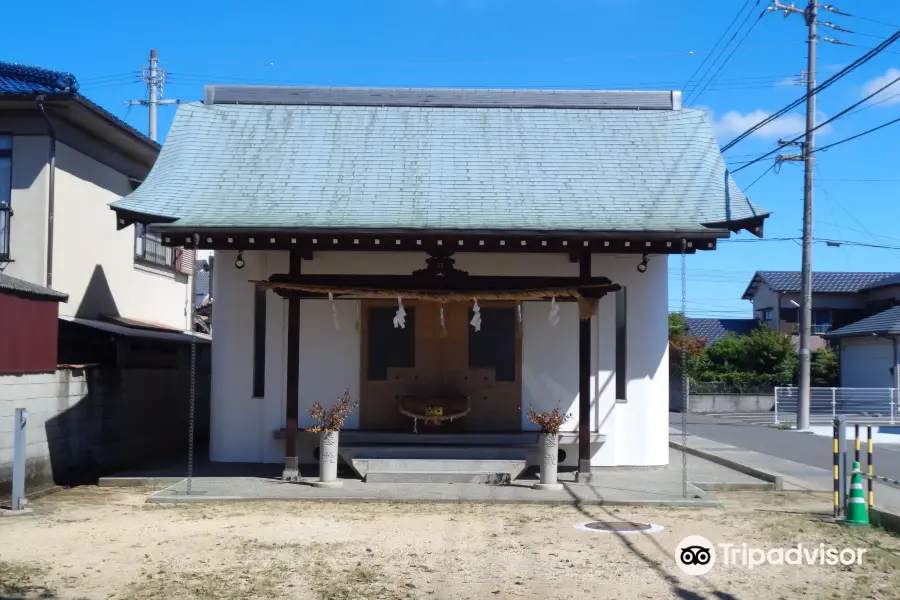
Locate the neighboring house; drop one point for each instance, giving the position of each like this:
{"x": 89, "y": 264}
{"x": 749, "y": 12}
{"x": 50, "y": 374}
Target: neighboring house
{"x": 63, "y": 159}
{"x": 715, "y": 329}
{"x": 870, "y": 351}
{"x": 838, "y": 298}
{"x": 29, "y": 324}
{"x": 359, "y": 233}
{"x": 203, "y": 299}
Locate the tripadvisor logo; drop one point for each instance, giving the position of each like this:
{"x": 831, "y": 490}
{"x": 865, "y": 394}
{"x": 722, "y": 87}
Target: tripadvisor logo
{"x": 696, "y": 555}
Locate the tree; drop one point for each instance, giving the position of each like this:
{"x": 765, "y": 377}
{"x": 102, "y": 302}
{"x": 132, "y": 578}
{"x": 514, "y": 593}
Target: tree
{"x": 771, "y": 354}
{"x": 726, "y": 354}
{"x": 695, "y": 346}
{"x": 825, "y": 370}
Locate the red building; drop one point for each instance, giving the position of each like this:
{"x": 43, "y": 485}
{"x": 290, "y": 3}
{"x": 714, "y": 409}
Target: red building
{"x": 29, "y": 322}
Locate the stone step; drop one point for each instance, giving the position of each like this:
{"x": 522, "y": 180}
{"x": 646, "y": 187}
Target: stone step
{"x": 433, "y": 470}
{"x": 432, "y": 451}
{"x": 438, "y": 477}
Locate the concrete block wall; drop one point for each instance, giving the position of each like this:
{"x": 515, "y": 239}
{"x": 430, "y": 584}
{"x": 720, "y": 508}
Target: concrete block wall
{"x": 86, "y": 423}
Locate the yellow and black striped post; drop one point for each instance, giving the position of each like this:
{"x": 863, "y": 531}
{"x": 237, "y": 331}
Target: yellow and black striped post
{"x": 870, "y": 455}
{"x": 837, "y": 469}
{"x": 856, "y": 433}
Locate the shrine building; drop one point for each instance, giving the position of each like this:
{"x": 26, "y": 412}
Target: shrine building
{"x": 451, "y": 256}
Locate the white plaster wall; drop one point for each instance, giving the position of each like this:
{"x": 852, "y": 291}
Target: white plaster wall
{"x": 28, "y": 225}
{"x": 93, "y": 262}
{"x": 236, "y": 418}
{"x": 637, "y": 431}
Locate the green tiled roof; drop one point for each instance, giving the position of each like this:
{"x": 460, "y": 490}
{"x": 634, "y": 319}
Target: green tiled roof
{"x": 448, "y": 168}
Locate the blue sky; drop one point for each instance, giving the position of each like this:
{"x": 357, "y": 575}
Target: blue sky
{"x": 562, "y": 44}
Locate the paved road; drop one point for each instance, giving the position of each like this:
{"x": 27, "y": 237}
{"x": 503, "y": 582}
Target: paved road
{"x": 805, "y": 448}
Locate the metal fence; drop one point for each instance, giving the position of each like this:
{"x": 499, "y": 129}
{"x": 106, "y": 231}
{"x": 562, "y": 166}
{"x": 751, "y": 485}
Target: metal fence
{"x": 826, "y": 403}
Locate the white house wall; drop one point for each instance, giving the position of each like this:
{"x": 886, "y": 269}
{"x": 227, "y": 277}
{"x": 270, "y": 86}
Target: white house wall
{"x": 93, "y": 262}
{"x": 637, "y": 430}
{"x": 28, "y": 225}
{"x": 765, "y": 298}
{"x": 826, "y": 300}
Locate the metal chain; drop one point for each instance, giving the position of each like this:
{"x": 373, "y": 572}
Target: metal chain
{"x": 193, "y": 392}
{"x": 685, "y": 384}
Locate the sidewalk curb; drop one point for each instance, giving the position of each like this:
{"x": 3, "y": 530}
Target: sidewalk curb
{"x": 880, "y": 517}
{"x": 777, "y": 480}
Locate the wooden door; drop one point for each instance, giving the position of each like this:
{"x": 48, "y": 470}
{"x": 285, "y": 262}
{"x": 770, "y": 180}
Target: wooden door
{"x": 417, "y": 360}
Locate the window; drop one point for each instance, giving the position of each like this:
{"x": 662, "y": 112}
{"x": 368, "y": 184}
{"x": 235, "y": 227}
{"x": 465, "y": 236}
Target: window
{"x": 495, "y": 345}
{"x": 5, "y": 193}
{"x": 259, "y": 343}
{"x": 821, "y": 320}
{"x": 148, "y": 248}
{"x": 389, "y": 346}
{"x": 766, "y": 315}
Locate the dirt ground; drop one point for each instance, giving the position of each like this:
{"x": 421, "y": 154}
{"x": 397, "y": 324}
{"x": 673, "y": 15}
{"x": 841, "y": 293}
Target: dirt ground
{"x": 108, "y": 543}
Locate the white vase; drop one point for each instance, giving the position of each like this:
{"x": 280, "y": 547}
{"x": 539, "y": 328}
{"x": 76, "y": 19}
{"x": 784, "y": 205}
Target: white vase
{"x": 549, "y": 460}
{"x": 328, "y": 459}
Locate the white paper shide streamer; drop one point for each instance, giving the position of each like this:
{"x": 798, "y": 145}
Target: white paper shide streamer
{"x": 476, "y": 317}
{"x": 400, "y": 317}
{"x": 334, "y": 312}
{"x": 554, "y": 312}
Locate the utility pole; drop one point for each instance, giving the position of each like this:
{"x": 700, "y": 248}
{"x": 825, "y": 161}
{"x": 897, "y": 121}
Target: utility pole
{"x": 811, "y": 15}
{"x": 154, "y": 77}
{"x": 803, "y": 396}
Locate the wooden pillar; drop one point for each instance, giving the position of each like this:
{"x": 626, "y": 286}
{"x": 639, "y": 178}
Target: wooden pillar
{"x": 584, "y": 378}
{"x": 292, "y": 385}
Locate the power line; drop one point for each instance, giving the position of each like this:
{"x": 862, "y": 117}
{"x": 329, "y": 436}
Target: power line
{"x": 719, "y": 41}
{"x": 824, "y": 85}
{"x": 858, "y": 135}
{"x": 457, "y": 63}
{"x": 874, "y": 21}
{"x": 822, "y": 124}
{"x": 728, "y": 58}
{"x": 764, "y": 173}
{"x": 755, "y": 82}
{"x": 859, "y": 180}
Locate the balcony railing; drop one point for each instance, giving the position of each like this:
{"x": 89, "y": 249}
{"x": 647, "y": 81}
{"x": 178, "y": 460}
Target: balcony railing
{"x": 152, "y": 251}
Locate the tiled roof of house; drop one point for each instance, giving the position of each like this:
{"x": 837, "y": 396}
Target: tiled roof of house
{"x": 18, "y": 287}
{"x": 714, "y": 329}
{"x": 427, "y": 168}
{"x": 23, "y": 79}
{"x": 881, "y": 283}
{"x": 823, "y": 282}
{"x": 26, "y": 80}
{"x": 884, "y": 323}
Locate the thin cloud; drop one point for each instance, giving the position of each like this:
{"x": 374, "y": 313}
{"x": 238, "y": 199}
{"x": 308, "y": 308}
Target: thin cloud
{"x": 735, "y": 123}
{"x": 890, "y": 95}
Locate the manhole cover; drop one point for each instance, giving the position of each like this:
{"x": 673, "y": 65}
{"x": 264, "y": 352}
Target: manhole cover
{"x": 619, "y": 527}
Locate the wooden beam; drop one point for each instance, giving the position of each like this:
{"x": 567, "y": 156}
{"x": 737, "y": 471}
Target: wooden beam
{"x": 292, "y": 385}
{"x": 584, "y": 377}
{"x": 506, "y": 243}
